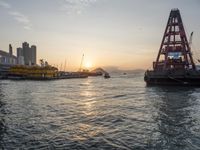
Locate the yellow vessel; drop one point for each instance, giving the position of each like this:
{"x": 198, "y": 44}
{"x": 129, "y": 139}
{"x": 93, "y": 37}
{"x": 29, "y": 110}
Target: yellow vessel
{"x": 33, "y": 72}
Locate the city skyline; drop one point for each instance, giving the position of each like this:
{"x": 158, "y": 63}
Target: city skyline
{"x": 125, "y": 34}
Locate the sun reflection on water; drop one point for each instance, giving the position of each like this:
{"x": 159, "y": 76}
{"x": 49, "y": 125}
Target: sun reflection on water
{"x": 88, "y": 94}
{"x": 86, "y": 129}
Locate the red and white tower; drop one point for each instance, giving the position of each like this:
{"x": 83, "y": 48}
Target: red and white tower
{"x": 174, "y": 52}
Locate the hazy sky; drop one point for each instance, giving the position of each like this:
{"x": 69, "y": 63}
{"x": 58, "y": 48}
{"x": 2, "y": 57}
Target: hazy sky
{"x": 123, "y": 33}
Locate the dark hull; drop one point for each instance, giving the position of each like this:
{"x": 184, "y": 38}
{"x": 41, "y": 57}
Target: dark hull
{"x": 190, "y": 78}
{"x": 31, "y": 78}
{"x": 73, "y": 77}
{"x": 174, "y": 81}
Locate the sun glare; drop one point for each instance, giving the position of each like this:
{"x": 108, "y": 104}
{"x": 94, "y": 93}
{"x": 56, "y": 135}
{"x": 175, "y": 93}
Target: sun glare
{"x": 88, "y": 65}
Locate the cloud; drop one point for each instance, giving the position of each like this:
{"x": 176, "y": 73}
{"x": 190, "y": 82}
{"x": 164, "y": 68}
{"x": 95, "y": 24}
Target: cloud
{"x": 76, "y": 6}
{"x": 19, "y": 17}
{"x": 5, "y": 5}
{"x": 22, "y": 19}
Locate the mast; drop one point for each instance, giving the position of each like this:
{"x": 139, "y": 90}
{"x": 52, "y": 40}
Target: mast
{"x": 61, "y": 66}
{"x": 65, "y": 66}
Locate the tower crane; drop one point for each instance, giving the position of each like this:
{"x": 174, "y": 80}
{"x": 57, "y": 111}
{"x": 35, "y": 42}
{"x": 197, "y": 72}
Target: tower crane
{"x": 190, "y": 41}
{"x": 80, "y": 69}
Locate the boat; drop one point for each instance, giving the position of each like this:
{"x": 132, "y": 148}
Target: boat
{"x": 72, "y": 75}
{"x": 174, "y": 64}
{"x": 21, "y": 72}
{"x": 90, "y": 73}
{"x": 106, "y": 75}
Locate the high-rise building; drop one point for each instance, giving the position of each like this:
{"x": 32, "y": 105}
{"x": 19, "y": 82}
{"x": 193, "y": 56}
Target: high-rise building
{"x": 33, "y": 54}
{"x": 27, "y": 54}
{"x": 10, "y": 50}
{"x": 20, "y": 56}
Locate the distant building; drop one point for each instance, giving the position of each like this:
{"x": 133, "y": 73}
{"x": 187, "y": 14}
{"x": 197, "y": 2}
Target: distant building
{"x": 7, "y": 58}
{"x": 20, "y": 56}
{"x": 27, "y": 55}
{"x": 10, "y": 50}
{"x": 33, "y": 53}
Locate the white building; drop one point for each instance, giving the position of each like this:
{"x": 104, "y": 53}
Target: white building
{"x": 8, "y": 58}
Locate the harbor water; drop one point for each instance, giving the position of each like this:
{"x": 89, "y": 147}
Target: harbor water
{"x": 97, "y": 113}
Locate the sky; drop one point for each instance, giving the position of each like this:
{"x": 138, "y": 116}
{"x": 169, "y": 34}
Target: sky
{"x": 124, "y": 34}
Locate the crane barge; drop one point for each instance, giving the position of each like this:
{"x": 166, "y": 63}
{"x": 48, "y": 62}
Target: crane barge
{"x": 174, "y": 64}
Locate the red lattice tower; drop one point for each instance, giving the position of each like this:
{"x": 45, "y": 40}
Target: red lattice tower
{"x": 174, "y": 52}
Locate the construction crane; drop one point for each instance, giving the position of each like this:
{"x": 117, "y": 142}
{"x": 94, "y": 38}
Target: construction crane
{"x": 80, "y": 69}
{"x": 190, "y": 41}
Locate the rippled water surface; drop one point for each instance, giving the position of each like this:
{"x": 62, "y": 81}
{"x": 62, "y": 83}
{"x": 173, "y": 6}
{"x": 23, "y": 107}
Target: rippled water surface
{"x": 95, "y": 113}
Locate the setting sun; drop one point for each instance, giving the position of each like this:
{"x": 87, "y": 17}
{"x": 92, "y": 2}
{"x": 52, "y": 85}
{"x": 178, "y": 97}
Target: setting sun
{"x": 88, "y": 65}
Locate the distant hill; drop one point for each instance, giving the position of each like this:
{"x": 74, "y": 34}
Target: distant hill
{"x": 97, "y": 70}
{"x": 116, "y": 70}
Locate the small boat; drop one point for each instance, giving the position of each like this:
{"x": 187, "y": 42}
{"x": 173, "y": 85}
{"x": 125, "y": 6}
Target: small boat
{"x": 72, "y": 75}
{"x": 106, "y": 75}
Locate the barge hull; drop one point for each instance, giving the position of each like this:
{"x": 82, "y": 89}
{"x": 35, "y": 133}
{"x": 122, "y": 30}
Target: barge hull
{"x": 173, "y": 81}
{"x": 186, "y": 78}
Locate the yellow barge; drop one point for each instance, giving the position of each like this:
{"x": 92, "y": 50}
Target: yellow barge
{"x": 33, "y": 72}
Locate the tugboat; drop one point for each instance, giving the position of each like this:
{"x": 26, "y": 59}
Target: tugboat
{"x": 106, "y": 75}
{"x": 174, "y": 64}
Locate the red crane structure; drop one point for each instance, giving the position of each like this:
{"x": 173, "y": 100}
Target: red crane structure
{"x": 174, "y": 64}
{"x": 174, "y": 52}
